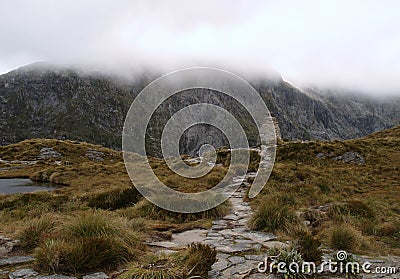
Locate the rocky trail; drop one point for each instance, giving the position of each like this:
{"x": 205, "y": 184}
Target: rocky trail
{"x": 239, "y": 249}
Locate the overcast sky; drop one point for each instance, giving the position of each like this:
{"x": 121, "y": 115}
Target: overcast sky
{"x": 355, "y": 44}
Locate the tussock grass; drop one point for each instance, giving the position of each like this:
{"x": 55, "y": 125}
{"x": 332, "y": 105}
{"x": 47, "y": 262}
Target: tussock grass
{"x": 193, "y": 262}
{"x": 308, "y": 246}
{"x": 345, "y": 237}
{"x": 273, "y": 216}
{"x": 115, "y": 199}
{"x": 88, "y": 241}
{"x": 161, "y": 268}
{"x": 37, "y": 230}
{"x": 200, "y": 258}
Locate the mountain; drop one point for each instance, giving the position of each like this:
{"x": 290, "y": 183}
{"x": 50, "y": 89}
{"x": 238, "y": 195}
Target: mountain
{"x": 44, "y": 101}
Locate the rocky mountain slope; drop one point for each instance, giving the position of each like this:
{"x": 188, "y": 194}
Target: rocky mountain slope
{"x": 42, "y": 101}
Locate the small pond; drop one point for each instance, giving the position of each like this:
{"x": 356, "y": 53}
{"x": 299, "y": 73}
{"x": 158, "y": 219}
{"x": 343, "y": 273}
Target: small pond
{"x": 22, "y": 185}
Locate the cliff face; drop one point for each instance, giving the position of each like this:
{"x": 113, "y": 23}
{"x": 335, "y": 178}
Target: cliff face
{"x": 39, "y": 101}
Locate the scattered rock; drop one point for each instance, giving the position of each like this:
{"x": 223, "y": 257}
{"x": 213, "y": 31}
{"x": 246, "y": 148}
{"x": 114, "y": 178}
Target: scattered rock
{"x": 95, "y": 155}
{"x": 6, "y": 245}
{"x": 97, "y": 275}
{"x": 48, "y": 153}
{"x": 16, "y": 260}
{"x": 350, "y": 157}
{"x": 320, "y": 156}
{"x": 22, "y": 273}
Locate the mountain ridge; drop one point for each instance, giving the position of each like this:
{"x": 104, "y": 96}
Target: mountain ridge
{"x": 39, "y": 101}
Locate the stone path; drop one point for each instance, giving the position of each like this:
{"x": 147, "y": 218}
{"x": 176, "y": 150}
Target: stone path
{"x": 239, "y": 248}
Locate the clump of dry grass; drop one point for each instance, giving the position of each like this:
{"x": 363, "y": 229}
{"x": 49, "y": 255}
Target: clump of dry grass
{"x": 162, "y": 267}
{"x": 273, "y": 215}
{"x": 200, "y": 258}
{"x": 345, "y": 237}
{"x": 308, "y": 246}
{"x": 37, "y": 230}
{"x": 89, "y": 241}
{"x": 115, "y": 199}
{"x": 193, "y": 262}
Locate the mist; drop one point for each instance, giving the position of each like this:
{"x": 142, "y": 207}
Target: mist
{"x": 350, "y": 45}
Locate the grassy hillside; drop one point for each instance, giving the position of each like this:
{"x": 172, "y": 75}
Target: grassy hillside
{"x": 340, "y": 198}
{"x": 343, "y": 194}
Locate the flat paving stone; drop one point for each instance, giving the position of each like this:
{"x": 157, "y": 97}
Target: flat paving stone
{"x": 55, "y": 276}
{"x": 97, "y": 275}
{"x": 164, "y": 244}
{"x": 234, "y": 248}
{"x": 274, "y": 244}
{"x": 258, "y": 258}
{"x": 232, "y": 217}
{"x": 259, "y": 236}
{"x": 221, "y": 265}
{"x": 187, "y": 237}
{"x": 16, "y": 260}
{"x": 222, "y": 256}
{"x": 237, "y": 259}
{"x": 213, "y": 234}
{"x": 22, "y": 273}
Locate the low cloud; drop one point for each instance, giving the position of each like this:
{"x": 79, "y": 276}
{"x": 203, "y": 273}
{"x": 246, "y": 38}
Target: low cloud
{"x": 349, "y": 44}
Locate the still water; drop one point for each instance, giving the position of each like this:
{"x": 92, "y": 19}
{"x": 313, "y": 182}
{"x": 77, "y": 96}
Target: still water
{"x": 21, "y": 185}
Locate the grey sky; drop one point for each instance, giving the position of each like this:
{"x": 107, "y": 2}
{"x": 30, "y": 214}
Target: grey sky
{"x": 355, "y": 44}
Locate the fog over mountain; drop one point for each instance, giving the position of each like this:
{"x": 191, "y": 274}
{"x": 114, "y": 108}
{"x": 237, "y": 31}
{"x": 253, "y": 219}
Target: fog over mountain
{"x": 352, "y": 45}
{"x": 47, "y": 101}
